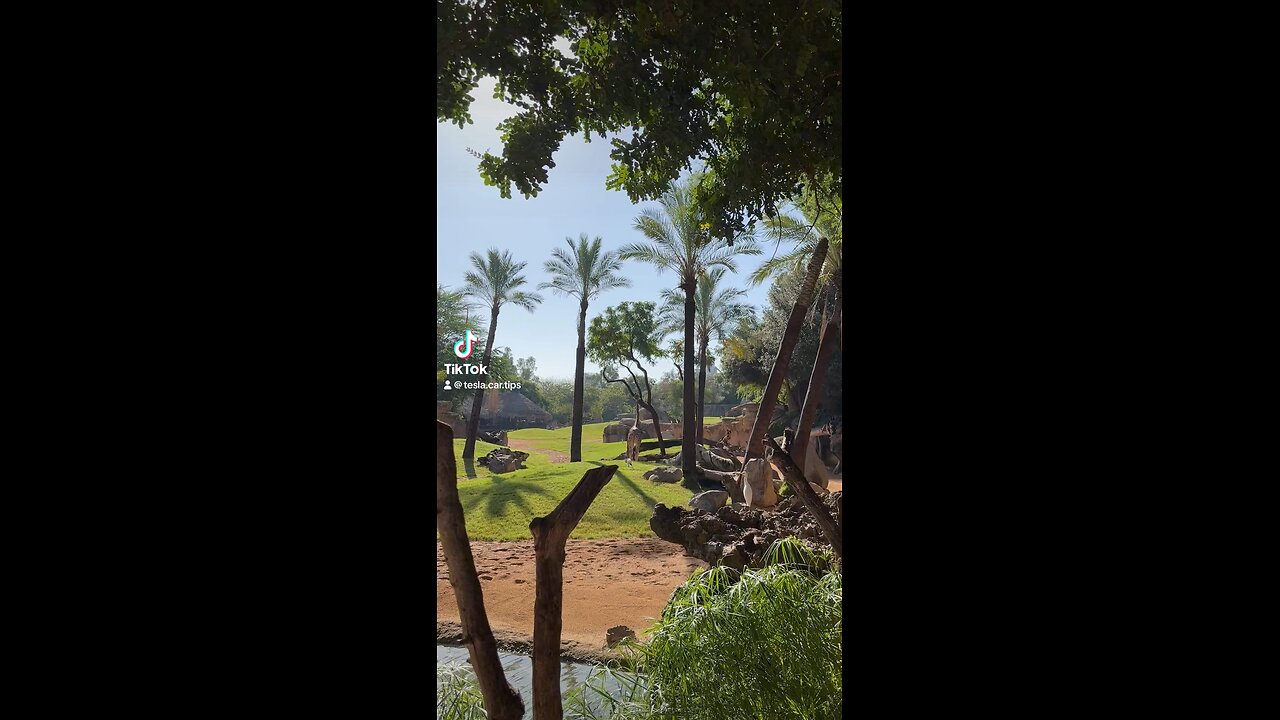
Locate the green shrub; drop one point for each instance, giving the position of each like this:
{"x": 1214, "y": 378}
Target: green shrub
{"x": 458, "y": 693}
{"x": 765, "y": 644}
{"x": 761, "y": 645}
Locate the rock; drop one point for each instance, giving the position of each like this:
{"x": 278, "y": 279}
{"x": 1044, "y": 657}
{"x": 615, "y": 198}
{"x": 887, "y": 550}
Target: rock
{"x": 709, "y": 501}
{"x": 716, "y": 432}
{"x": 733, "y": 556}
{"x": 617, "y": 432}
{"x": 756, "y": 485}
{"x": 665, "y": 522}
{"x": 712, "y": 461}
{"x": 819, "y": 489}
{"x": 503, "y": 460}
{"x": 497, "y": 438}
{"x": 617, "y": 634}
{"x": 665, "y": 474}
{"x": 726, "y": 455}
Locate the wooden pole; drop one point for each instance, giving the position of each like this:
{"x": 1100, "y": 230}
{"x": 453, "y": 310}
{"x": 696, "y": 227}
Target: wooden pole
{"x": 501, "y": 701}
{"x": 549, "y": 536}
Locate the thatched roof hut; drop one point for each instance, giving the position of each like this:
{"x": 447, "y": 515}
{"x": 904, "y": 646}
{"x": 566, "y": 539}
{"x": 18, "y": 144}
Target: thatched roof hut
{"x": 508, "y": 408}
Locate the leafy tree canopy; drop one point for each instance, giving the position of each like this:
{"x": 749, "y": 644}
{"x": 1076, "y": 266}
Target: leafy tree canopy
{"x": 750, "y": 89}
{"x": 625, "y": 333}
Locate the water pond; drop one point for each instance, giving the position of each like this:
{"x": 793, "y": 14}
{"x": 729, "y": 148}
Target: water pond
{"x": 519, "y": 670}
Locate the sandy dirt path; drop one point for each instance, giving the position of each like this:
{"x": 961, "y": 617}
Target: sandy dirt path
{"x": 621, "y": 581}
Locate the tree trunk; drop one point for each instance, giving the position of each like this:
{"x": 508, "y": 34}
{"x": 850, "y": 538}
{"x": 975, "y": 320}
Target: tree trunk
{"x": 702, "y": 386}
{"x": 755, "y": 448}
{"x": 817, "y": 379}
{"x": 840, "y": 303}
{"x": 579, "y": 380}
{"x": 688, "y": 451}
{"x": 648, "y": 393}
{"x": 549, "y": 536}
{"x": 473, "y": 422}
{"x": 501, "y": 701}
{"x": 794, "y": 476}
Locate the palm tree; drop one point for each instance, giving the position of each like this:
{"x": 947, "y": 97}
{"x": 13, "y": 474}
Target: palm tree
{"x": 822, "y": 218}
{"x": 584, "y": 272}
{"x": 493, "y": 283}
{"x": 716, "y": 312}
{"x": 679, "y": 242}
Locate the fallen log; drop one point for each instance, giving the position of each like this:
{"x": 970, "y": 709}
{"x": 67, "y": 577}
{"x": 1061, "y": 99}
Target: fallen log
{"x": 500, "y": 699}
{"x": 549, "y": 536}
{"x": 653, "y": 444}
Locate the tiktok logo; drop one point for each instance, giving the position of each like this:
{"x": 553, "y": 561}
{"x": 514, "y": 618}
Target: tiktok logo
{"x": 467, "y": 340}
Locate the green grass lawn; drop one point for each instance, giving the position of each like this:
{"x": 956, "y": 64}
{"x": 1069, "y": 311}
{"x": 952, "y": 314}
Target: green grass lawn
{"x": 499, "y": 507}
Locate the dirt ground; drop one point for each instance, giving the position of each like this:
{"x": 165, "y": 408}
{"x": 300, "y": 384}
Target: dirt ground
{"x": 621, "y": 581}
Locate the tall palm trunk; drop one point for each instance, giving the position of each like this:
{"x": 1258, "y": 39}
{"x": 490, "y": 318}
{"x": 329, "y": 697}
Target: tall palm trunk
{"x": 473, "y": 422}
{"x": 755, "y": 448}
{"x": 817, "y": 379}
{"x": 688, "y": 450}
{"x": 579, "y": 380}
{"x": 702, "y": 386}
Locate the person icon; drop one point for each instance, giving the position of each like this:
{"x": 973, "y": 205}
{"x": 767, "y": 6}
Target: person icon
{"x": 446, "y": 385}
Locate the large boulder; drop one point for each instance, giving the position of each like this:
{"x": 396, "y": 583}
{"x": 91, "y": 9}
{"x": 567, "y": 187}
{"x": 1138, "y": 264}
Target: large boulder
{"x": 503, "y": 460}
{"x": 497, "y": 438}
{"x": 757, "y": 485}
{"x": 709, "y": 501}
{"x": 665, "y": 474}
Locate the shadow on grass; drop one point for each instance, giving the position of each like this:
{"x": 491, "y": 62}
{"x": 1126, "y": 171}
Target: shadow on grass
{"x": 504, "y": 492}
{"x": 622, "y": 476}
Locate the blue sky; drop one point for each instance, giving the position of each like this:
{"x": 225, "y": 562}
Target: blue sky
{"x": 471, "y": 216}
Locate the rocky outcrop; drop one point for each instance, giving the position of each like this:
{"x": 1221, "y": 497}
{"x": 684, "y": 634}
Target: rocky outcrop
{"x": 503, "y": 460}
{"x": 617, "y": 432}
{"x": 736, "y": 535}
